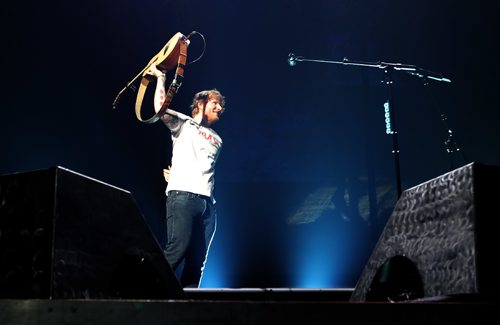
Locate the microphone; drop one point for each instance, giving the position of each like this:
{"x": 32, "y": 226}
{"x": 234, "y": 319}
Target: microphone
{"x": 191, "y": 34}
{"x": 293, "y": 59}
{"x": 186, "y": 38}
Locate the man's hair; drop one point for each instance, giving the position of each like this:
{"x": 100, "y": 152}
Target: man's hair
{"x": 203, "y": 97}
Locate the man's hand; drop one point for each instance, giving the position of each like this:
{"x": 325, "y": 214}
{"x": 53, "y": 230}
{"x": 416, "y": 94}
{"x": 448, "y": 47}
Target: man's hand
{"x": 166, "y": 174}
{"x": 154, "y": 71}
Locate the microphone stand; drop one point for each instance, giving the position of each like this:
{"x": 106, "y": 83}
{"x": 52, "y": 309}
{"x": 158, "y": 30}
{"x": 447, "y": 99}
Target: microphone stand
{"x": 388, "y": 70}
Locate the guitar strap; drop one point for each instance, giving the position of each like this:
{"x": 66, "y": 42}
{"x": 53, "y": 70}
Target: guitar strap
{"x": 172, "y": 89}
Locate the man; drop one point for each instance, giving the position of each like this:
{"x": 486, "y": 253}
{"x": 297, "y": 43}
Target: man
{"x": 191, "y": 214}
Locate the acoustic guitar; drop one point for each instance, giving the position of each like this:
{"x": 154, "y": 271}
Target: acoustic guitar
{"x": 172, "y": 55}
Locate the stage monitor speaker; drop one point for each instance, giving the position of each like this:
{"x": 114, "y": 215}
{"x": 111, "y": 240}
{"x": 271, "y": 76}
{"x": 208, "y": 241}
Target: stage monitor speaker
{"x": 64, "y": 235}
{"x": 440, "y": 242}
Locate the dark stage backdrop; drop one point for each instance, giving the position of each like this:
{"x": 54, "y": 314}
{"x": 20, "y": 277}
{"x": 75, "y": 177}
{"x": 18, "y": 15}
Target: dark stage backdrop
{"x": 306, "y": 177}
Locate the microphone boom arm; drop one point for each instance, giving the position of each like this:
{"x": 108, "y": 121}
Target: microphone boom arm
{"x": 411, "y": 69}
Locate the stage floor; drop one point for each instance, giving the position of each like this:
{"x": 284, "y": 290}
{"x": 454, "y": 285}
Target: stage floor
{"x": 245, "y": 306}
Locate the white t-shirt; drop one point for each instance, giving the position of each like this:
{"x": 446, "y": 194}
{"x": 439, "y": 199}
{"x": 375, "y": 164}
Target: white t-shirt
{"x": 195, "y": 149}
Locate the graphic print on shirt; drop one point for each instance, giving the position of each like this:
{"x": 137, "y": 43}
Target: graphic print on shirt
{"x": 208, "y": 136}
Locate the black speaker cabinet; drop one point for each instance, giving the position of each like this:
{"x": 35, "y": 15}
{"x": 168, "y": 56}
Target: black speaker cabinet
{"x": 441, "y": 240}
{"x": 66, "y": 235}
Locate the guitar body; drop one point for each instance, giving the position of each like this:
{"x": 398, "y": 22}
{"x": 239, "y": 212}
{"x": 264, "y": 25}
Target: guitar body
{"x": 172, "y": 55}
{"x": 167, "y": 58}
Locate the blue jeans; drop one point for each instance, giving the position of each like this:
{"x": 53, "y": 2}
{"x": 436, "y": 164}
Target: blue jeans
{"x": 191, "y": 223}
